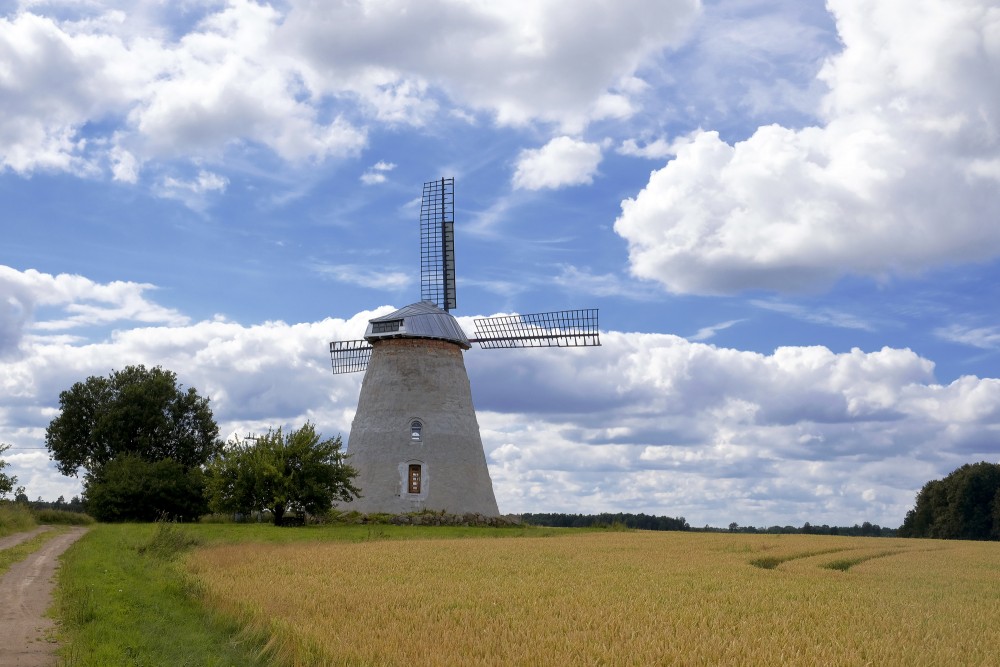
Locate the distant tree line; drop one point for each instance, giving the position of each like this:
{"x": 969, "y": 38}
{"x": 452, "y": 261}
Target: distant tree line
{"x": 866, "y": 529}
{"x": 965, "y": 505}
{"x": 75, "y": 503}
{"x": 640, "y": 521}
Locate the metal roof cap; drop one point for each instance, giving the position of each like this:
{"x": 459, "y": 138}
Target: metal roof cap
{"x": 418, "y": 320}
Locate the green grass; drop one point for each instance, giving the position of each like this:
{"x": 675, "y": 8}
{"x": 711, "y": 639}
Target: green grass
{"x": 124, "y": 599}
{"x": 20, "y": 551}
{"x": 771, "y": 562}
{"x": 845, "y": 564}
{"x": 62, "y": 518}
{"x": 15, "y": 518}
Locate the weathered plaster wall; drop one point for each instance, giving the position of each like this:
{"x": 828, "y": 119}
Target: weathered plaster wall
{"x": 420, "y": 379}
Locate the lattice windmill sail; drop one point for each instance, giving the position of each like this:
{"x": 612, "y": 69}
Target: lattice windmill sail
{"x": 415, "y": 439}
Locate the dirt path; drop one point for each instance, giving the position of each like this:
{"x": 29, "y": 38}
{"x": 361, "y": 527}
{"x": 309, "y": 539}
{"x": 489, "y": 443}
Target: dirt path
{"x": 25, "y": 594}
{"x": 17, "y": 538}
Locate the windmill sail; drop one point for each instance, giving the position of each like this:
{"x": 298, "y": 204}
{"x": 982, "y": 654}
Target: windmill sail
{"x": 350, "y": 356}
{"x": 437, "y": 243}
{"x": 562, "y": 328}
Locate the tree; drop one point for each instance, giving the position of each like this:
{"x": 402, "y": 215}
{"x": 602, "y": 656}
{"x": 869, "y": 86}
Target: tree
{"x": 137, "y": 411}
{"x": 7, "y": 482}
{"x": 965, "y": 505}
{"x": 129, "y": 488}
{"x": 278, "y": 472}
{"x": 141, "y": 440}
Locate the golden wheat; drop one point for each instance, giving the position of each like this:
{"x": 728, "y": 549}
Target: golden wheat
{"x": 632, "y": 598}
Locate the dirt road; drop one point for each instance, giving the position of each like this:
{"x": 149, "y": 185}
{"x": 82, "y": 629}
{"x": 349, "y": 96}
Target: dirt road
{"x": 25, "y": 594}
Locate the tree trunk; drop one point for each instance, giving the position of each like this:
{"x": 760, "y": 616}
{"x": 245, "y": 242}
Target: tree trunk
{"x": 279, "y": 512}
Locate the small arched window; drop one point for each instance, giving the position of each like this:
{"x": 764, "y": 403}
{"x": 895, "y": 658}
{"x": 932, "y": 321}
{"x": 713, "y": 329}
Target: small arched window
{"x": 415, "y": 431}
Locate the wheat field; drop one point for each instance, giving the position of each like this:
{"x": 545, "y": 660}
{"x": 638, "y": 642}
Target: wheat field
{"x": 614, "y": 598}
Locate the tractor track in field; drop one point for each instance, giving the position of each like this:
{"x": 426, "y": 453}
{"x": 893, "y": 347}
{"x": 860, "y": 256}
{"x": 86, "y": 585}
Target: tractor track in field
{"x": 25, "y": 595}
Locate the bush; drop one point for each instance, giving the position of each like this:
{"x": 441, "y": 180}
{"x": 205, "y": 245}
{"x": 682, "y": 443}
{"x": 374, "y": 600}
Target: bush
{"x": 132, "y": 489}
{"x": 63, "y": 517}
{"x": 14, "y": 518}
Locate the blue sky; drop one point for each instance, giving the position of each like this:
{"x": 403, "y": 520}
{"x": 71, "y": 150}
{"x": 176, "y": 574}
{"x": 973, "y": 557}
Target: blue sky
{"x": 786, "y": 212}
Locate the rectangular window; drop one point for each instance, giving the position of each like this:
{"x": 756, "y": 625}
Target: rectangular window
{"x": 386, "y": 327}
{"x": 414, "y": 484}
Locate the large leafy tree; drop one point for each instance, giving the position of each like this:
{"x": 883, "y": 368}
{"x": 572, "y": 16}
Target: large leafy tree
{"x": 965, "y": 505}
{"x": 136, "y": 411}
{"x": 142, "y": 440}
{"x": 279, "y": 472}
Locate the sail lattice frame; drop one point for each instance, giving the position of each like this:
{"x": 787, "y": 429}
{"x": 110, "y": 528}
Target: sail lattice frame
{"x": 350, "y": 356}
{"x": 562, "y": 328}
{"x": 437, "y": 243}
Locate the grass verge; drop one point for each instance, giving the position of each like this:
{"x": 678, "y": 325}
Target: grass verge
{"x": 15, "y": 518}
{"x": 123, "y": 599}
{"x": 21, "y": 551}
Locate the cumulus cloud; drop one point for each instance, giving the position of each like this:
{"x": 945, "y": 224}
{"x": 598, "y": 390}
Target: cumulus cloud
{"x": 518, "y": 61}
{"x": 898, "y": 178}
{"x": 646, "y": 422}
{"x": 77, "y": 302}
{"x": 561, "y": 162}
{"x": 95, "y": 88}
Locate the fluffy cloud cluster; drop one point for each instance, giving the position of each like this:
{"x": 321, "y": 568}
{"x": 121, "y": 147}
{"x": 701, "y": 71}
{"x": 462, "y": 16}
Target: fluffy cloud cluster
{"x": 561, "y": 162}
{"x": 116, "y": 89}
{"x": 904, "y": 172}
{"x": 647, "y": 422}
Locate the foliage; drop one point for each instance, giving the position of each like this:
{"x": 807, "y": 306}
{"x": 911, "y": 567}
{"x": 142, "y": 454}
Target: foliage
{"x": 135, "y": 411}
{"x": 866, "y": 529}
{"x": 168, "y": 541}
{"x": 7, "y": 482}
{"x": 299, "y": 471}
{"x": 59, "y": 504}
{"x": 130, "y": 488}
{"x": 62, "y": 517}
{"x": 965, "y": 505}
{"x": 640, "y": 521}
{"x": 15, "y": 518}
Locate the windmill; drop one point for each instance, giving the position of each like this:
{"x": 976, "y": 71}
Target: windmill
{"x": 415, "y": 439}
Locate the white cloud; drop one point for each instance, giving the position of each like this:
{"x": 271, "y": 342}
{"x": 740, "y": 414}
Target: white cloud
{"x": 518, "y": 61}
{"x": 705, "y": 333}
{"x": 376, "y": 173}
{"x": 96, "y": 88}
{"x": 365, "y": 276}
{"x": 646, "y": 422}
{"x": 893, "y": 181}
{"x": 656, "y": 149}
{"x": 822, "y": 315}
{"x": 77, "y": 302}
{"x": 561, "y": 162}
{"x": 986, "y": 338}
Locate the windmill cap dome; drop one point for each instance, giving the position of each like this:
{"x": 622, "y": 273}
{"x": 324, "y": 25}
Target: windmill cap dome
{"x": 418, "y": 320}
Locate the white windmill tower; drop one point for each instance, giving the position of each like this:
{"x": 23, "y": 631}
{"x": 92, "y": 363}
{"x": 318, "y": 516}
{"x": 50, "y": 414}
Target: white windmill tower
{"x": 415, "y": 440}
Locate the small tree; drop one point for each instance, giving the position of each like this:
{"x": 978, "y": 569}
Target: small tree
{"x": 7, "y": 482}
{"x": 281, "y": 472}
